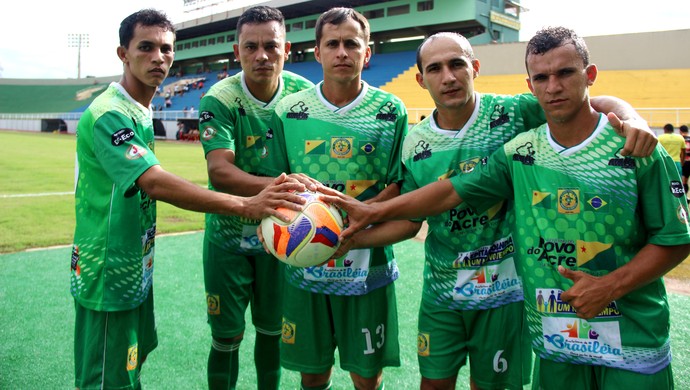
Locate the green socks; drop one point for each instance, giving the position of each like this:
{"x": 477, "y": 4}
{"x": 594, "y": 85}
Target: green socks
{"x": 267, "y": 361}
{"x": 223, "y": 365}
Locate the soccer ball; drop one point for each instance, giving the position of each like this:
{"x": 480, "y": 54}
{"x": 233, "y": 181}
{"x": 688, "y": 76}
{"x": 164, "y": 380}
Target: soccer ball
{"x": 311, "y": 235}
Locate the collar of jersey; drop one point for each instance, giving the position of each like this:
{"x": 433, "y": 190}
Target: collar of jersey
{"x": 346, "y": 108}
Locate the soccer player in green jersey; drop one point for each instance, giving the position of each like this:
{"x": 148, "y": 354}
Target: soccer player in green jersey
{"x": 470, "y": 280}
{"x": 594, "y": 231}
{"x": 347, "y": 135}
{"x": 235, "y": 119}
{"x": 119, "y": 181}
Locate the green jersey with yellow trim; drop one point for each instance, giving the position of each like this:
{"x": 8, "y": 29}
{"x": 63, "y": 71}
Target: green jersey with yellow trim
{"x": 112, "y": 255}
{"x": 230, "y": 117}
{"x": 354, "y": 149}
{"x": 587, "y": 208}
{"x": 469, "y": 255}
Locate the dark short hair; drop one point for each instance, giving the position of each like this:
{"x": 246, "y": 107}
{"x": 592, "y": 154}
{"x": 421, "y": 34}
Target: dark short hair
{"x": 259, "y": 14}
{"x": 337, "y": 16}
{"x": 145, "y": 17}
{"x": 466, "y": 46}
{"x": 550, "y": 38}
{"x": 683, "y": 128}
{"x": 668, "y": 128}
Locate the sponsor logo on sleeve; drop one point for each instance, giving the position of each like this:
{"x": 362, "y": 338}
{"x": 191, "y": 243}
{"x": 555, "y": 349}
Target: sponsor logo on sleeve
{"x": 298, "y": 112}
{"x": 525, "y": 154}
{"x": 122, "y": 136}
{"x": 387, "y": 112}
{"x": 205, "y": 116}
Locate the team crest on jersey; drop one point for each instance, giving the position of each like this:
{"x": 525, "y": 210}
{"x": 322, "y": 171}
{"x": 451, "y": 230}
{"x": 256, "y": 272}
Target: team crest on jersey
{"x": 269, "y": 134}
{"x": 298, "y": 111}
{"x": 423, "y": 344}
{"x": 498, "y": 116}
{"x": 240, "y": 106}
{"x": 288, "y": 331}
{"x": 122, "y": 136}
{"x": 387, "y": 112}
{"x": 422, "y": 151}
{"x": 568, "y": 200}
{"x": 205, "y": 116}
{"x": 468, "y": 166}
{"x": 622, "y": 161}
{"x": 213, "y": 304}
{"x": 208, "y": 133}
{"x": 134, "y": 152}
{"x": 132, "y": 357}
{"x": 524, "y": 154}
{"x": 341, "y": 147}
{"x": 682, "y": 214}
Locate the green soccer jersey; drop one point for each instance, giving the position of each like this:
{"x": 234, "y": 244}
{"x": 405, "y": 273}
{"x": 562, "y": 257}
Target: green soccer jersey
{"x": 112, "y": 256}
{"x": 354, "y": 149}
{"x": 231, "y": 118}
{"x": 469, "y": 255}
{"x": 590, "y": 209}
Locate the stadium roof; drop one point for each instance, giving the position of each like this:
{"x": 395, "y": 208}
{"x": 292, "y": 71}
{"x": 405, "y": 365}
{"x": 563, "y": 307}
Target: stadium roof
{"x": 225, "y": 21}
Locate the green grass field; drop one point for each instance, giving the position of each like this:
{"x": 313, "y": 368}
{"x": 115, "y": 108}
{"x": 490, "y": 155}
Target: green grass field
{"x": 37, "y": 309}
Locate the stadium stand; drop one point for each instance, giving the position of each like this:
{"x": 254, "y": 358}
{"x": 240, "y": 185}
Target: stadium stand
{"x": 656, "y": 83}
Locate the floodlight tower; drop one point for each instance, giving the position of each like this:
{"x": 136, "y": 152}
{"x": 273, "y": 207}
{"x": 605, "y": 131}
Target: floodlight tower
{"x": 78, "y": 40}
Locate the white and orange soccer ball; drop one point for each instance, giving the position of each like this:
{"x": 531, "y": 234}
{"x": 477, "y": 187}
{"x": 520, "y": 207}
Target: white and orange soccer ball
{"x": 309, "y": 238}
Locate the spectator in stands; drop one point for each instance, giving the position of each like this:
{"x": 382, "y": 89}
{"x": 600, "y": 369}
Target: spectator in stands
{"x": 686, "y": 162}
{"x": 119, "y": 180}
{"x": 237, "y": 271}
{"x": 190, "y": 113}
{"x": 185, "y": 112}
{"x": 168, "y": 102}
{"x": 176, "y": 89}
{"x": 674, "y": 145}
{"x": 182, "y": 131}
{"x": 464, "y": 128}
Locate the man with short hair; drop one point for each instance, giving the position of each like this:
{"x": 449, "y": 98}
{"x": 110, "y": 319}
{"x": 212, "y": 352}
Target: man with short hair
{"x": 347, "y": 134}
{"x": 462, "y": 316}
{"x": 119, "y": 180}
{"x": 235, "y": 119}
{"x": 594, "y": 229}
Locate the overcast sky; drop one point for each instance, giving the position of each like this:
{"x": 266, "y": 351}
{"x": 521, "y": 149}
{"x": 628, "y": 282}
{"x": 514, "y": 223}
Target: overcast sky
{"x": 34, "y": 40}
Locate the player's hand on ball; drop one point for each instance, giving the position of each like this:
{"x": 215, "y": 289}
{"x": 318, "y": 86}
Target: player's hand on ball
{"x": 309, "y": 183}
{"x": 279, "y": 194}
{"x": 260, "y": 235}
{"x": 359, "y": 214}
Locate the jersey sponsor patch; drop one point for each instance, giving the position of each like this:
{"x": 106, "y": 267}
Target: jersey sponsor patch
{"x": 205, "y": 116}
{"x": 122, "y": 136}
{"x": 208, "y": 133}
{"x": 288, "y": 332}
{"x": 580, "y": 338}
{"x": 132, "y": 357}
{"x": 298, "y": 111}
{"x": 548, "y": 300}
{"x": 676, "y": 188}
{"x": 134, "y": 152}
{"x": 423, "y": 344}
{"x": 498, "y": 116}
{"x": 387, "y": 112}
{"x": 525, "y": 154}
{"x": 212, "y": 304}
{"x": 682, "y": 214}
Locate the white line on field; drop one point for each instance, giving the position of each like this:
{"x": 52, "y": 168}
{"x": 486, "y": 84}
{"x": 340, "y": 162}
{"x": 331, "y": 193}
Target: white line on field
{"x": 33, "y": 195}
